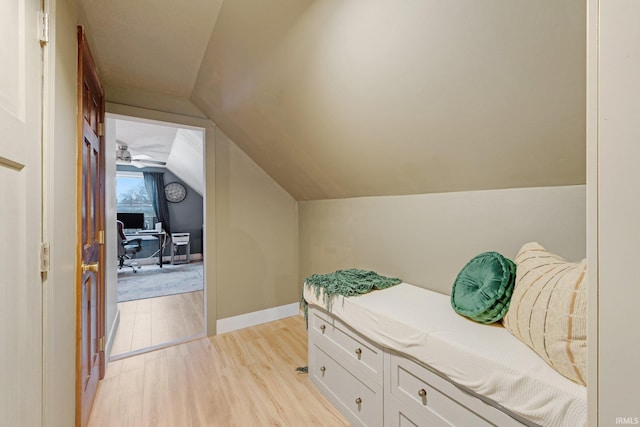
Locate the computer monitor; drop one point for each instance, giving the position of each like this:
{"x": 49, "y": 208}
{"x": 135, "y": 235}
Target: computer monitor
{"x": 132, "y": 220}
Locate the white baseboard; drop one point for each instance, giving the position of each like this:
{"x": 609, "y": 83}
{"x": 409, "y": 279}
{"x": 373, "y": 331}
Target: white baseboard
{"x": 257, "y": 317}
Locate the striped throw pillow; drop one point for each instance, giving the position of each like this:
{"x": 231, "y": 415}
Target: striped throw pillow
{"x": 548, "y": 309}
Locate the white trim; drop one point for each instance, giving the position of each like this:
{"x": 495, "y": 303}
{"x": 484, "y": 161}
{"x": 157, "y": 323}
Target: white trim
{"x": 49, "y": 293}
{"x": 111, "y": 339}
{"x": 593, "y": 233}
{"x": 167, "y": 344}
{"x": 257, "y": 317}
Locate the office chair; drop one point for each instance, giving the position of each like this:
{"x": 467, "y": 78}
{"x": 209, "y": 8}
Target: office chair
{"x": 127, "y": 249}
{"x": 180, "y": 240}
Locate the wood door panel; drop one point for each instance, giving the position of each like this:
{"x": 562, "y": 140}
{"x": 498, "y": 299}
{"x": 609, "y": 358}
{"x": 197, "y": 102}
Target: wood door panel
{"x": 90, "y": 307}
{"x": 90, "y": 193}
{"x": 89, "y": 346}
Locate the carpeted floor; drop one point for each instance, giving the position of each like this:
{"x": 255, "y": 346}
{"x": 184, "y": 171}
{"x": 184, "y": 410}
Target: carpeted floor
{"x": 152, "y": 281}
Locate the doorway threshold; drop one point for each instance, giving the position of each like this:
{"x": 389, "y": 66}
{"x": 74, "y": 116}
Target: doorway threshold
{"x": 158, "y": 347}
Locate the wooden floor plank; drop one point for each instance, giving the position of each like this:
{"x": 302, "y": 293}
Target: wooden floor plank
{"x": 242, "y": 378}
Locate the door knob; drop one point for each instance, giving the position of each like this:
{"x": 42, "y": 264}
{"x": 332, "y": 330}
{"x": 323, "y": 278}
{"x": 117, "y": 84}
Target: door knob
{"x": 89, "y": 267}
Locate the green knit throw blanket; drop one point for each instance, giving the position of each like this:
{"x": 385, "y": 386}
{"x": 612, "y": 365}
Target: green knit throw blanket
{"x": 351, "y": 282}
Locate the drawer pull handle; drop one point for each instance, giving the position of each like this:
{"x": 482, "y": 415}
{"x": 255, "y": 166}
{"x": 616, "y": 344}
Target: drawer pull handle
{"x": 322, "y": 369}
{"x": 358, "y": 401}
{"x": 359, "y": 352}
{"x": 323, "y": 327}
{"x": 422, "y": 393}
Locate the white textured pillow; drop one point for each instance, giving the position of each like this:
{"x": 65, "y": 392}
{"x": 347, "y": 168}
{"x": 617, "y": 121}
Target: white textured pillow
{"x": 548, "y": 309}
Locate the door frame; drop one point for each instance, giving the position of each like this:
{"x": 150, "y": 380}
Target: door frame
{"x": 120, "y": 112}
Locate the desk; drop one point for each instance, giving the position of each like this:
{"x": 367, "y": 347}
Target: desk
{"x": 156, "y": 235}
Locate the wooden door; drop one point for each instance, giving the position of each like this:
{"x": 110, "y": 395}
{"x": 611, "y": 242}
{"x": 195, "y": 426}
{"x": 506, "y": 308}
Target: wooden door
{"x": 90, "y": 293}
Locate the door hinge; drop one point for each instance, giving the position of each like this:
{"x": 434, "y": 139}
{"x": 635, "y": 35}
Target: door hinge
{"x": 43, "y": 27}
{"x": 101, "y": 237}
{"x": 100, "y": 129}
{"x": 101, "y": 343}
{"x": 44, "y": 257}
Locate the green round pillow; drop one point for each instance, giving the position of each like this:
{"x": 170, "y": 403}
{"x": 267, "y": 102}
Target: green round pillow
{"x": 482, "y": 290}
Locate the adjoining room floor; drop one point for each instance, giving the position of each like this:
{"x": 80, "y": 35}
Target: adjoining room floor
{"x": 151, "y": 281}
{"x": 243, "y": 378}
{"x": 158, "y": 321}
{"x": 158, "y": 307}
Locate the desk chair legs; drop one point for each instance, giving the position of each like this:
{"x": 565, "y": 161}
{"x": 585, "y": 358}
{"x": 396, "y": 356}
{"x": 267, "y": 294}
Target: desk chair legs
{"x": 133, "y": 264}
{"x": 127, "y": 248}
{"x": 180, "y": 242}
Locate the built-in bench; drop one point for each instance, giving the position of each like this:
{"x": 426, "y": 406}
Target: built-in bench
{"x": 402, "y": 356}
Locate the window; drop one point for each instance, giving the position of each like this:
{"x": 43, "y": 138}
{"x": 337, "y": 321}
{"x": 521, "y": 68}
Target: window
{"x": 132, "y": 196}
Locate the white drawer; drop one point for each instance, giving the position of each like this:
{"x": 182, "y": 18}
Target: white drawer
{"x": 417, "y": 397}
{"x": 398, "y": 414}
{"x": 356, "y": 350}
{"x": 360, "y": 402}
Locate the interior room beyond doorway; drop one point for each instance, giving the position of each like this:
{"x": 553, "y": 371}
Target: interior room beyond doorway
{"x": 155, "y": 296}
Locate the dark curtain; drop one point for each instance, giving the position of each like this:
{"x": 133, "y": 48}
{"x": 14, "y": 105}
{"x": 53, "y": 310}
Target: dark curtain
{"x": 154, "y": 182}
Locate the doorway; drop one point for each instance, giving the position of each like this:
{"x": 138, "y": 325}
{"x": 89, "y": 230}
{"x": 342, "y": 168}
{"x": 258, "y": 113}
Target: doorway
{"x": 154, "y": 299}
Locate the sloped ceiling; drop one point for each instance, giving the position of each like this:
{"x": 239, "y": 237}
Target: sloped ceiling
{"x": 344, "y": 98}
{"x": 149, "y": 51}
{"x": 180, "y": 150}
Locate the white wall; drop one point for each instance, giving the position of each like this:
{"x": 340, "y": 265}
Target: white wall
{"x": 614, "y": 64}
{"x": 257, "y": 235}
{"x": 111, "y": 242}
{"x": 426, "y": 239}
{"x": 59, "y": 290}
{"x": 592, "y": 212}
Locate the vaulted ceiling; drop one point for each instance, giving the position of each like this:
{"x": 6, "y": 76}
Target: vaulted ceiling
{"x": 345, "y": 98}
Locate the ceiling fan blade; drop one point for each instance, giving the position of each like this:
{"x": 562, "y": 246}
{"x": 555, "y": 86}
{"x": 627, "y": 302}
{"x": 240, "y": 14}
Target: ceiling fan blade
{"x": 145, "y": 163}
{"x": 138, "y": 164}
{"x": 153, "y": 162}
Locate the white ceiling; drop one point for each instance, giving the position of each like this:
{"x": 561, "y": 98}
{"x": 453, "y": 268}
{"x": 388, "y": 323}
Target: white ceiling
{"x": 145, "y": 140}
{"x": 343, "y": 98}
{"x": 155, "y": 144}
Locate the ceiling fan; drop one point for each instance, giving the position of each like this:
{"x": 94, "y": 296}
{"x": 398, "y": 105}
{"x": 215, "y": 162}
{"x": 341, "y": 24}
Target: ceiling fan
{"x": 124, "y": 157}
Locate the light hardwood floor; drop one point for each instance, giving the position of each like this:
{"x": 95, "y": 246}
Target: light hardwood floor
{"x": 242, "y": 378}
{"x": 156, "y": 321}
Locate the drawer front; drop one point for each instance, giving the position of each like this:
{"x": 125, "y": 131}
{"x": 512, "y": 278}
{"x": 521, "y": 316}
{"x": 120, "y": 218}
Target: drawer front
{"x": 364, "y": 354}
{"x": 362, "y": 404}
{"x": 397, "y": 414}
{"x": 416, "y": 390}
{"x": 319, "y": 322}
